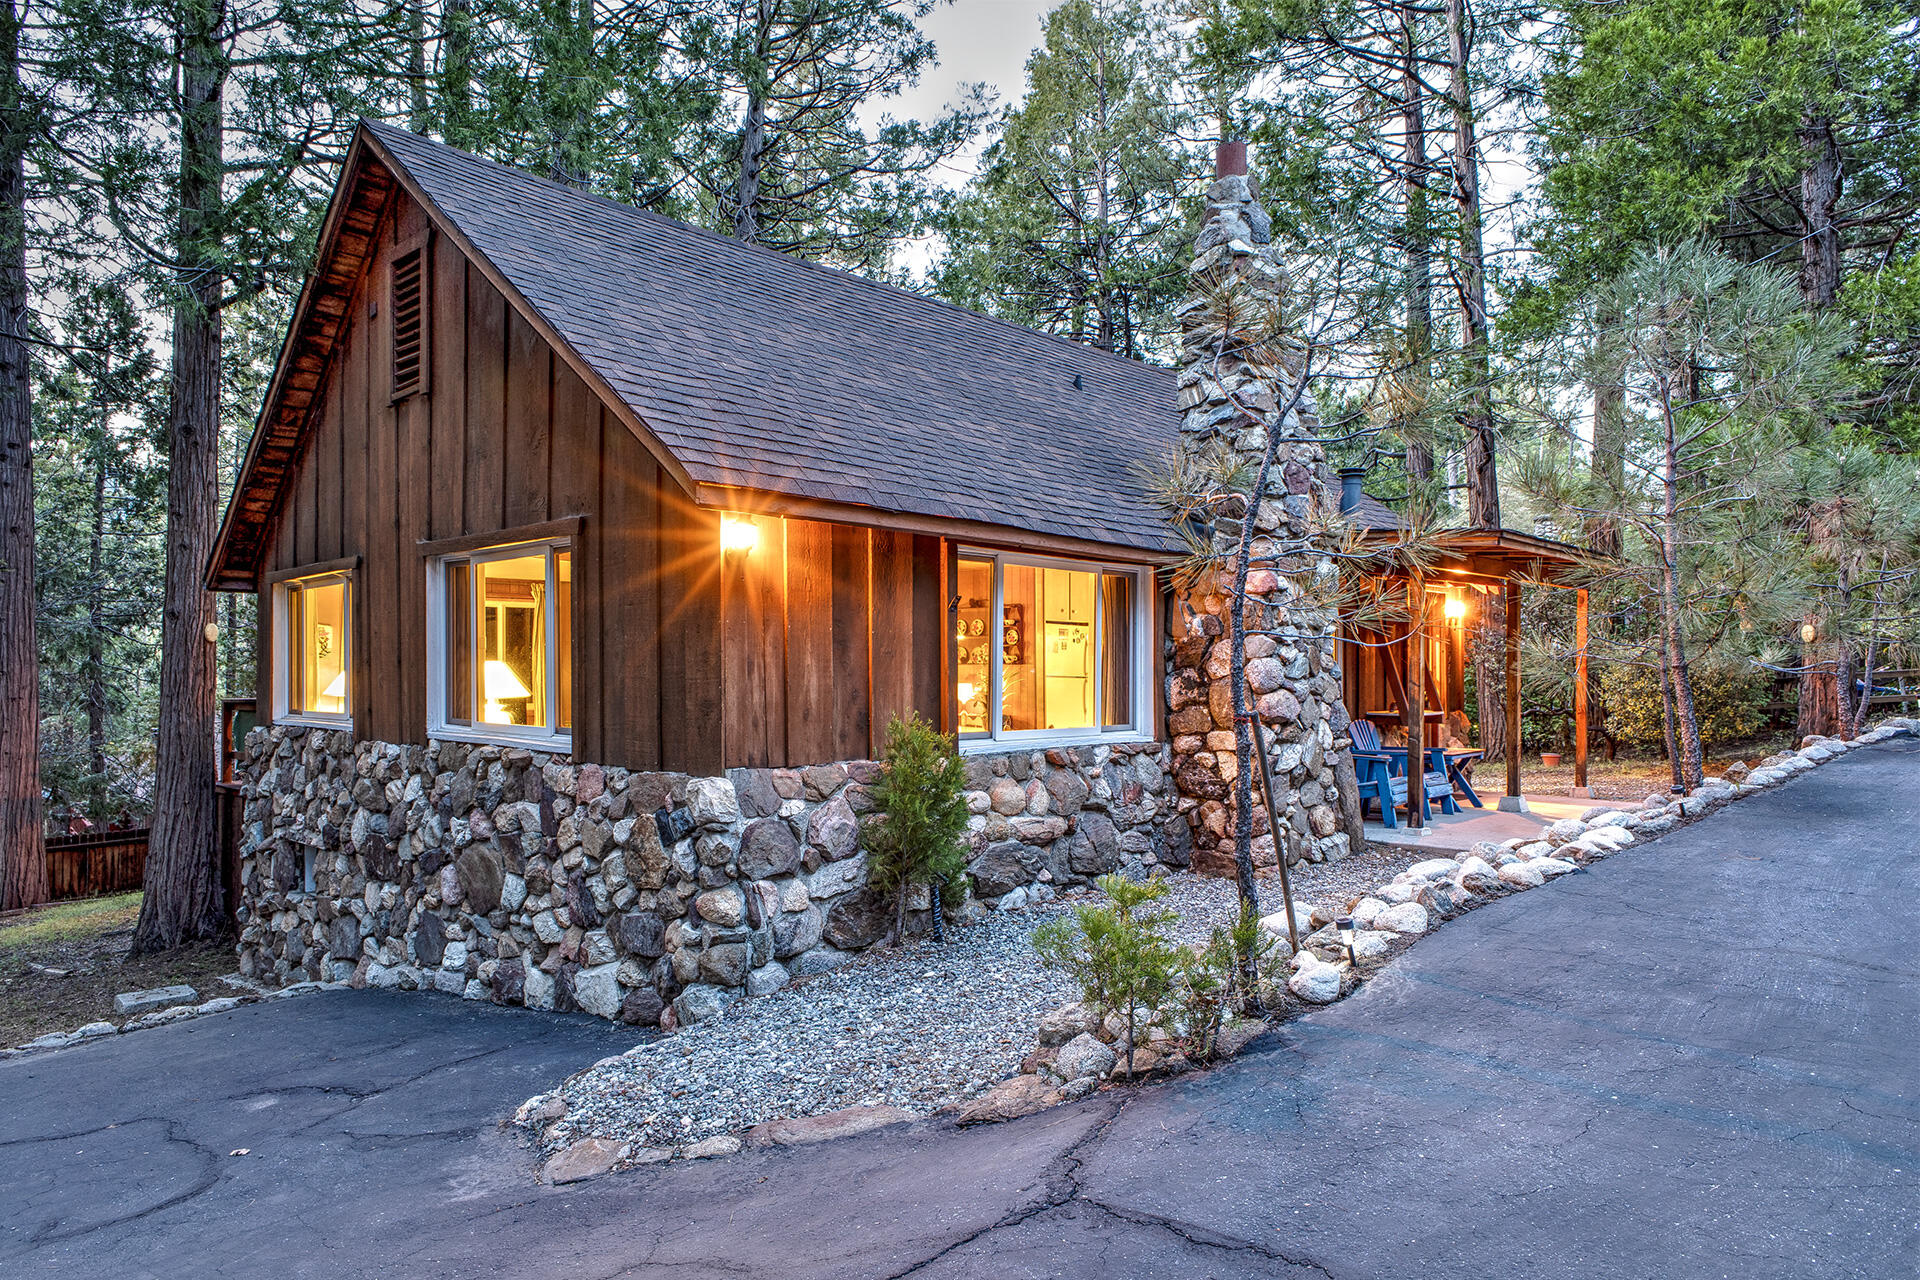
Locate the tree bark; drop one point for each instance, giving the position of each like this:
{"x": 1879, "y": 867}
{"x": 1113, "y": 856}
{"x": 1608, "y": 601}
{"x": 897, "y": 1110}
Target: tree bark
{"x": 1417, "y": 244}
{"x": 1489, "y": 674}
{"x": 1686, "y": 726}
{"x": 417, "y": 117}
{"x": 96, "y": 673}
{"x": 456, "y": 73}
{"x": 753, "y": 131}
{"x": 183, "y": 892}
{"x": 1476, "y": 420}
{"x": 1819, "y": 199}
{"x": 23, "y": 851}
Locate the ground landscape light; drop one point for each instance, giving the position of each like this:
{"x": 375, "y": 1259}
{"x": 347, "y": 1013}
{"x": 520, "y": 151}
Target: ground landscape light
{"x": 738, "y": 533}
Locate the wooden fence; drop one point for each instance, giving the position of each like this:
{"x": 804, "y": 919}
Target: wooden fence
{"x": 91, "y": 865}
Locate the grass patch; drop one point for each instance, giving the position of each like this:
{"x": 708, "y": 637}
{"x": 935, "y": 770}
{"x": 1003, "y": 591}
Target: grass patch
{"x": 61, "y": 965}
{"x": 68, "y": 922}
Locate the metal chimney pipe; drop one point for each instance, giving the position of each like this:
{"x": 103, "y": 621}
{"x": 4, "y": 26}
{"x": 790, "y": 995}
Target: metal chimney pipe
{"x": 1230, "y": 160}
{"x": 1351, "y": 480}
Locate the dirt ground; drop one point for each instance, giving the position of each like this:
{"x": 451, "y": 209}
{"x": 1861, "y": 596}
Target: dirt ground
{"x": 61, "y": 966}
{"x": 1631, "y": 777}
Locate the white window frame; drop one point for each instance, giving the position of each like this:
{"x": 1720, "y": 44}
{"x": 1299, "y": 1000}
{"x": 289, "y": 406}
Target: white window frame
{"x": 997, "y": 739}
{"x": 283, "y": 656}
{"x": 533, "y": 737}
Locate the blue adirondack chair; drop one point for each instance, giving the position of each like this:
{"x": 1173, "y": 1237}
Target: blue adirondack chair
{"x": 1382, "y": 775}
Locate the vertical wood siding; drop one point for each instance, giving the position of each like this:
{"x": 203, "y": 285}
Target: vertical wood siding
{"x": 798, "y": 653}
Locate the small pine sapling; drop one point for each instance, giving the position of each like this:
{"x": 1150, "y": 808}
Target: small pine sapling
{"x": 919, "y": 815}
{"x": 1222, "y": 978}
{"x": 1118, "y": 954}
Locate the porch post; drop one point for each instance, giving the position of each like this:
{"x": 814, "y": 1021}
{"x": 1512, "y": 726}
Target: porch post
{"x": 1580, "y": 787}
{"x": 1513, "y": 801}
{"x": 1415, "y": 709}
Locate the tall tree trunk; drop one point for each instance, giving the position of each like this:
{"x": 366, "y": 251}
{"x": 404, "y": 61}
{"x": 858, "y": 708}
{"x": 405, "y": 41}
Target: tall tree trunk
{"x": 23, "y": 851}
{"x": 1476, "y": 420}
{"x": 183, "y": 891}
{"x": 1608, "y": 462}
{"x": 417, "y": 117}
{"x": 1819, "y": 199}
{"x": 96, "y": 673}
{"x": 1489, "y": 674}
{"x": 456, "y": 73}
{"x": 1686, "y": 725}
{"x": 753, "y": 131}
{"x": 1417, "y": 243}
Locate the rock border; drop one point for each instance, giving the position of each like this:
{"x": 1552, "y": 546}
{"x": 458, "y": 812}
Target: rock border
{"x": 1382, "y": 922}
{"x": 162, "y": 1017}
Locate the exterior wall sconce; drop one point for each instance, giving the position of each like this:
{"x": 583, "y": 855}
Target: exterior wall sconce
{"x": 1807, "y": 632}
{"x": 739, "y": 534}
{"x": 1455, "y": 608}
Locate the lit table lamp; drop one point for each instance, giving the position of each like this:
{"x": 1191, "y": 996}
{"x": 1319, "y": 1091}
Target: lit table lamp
{"x": 337, "y": 691}
{"x": 501, "y": 685}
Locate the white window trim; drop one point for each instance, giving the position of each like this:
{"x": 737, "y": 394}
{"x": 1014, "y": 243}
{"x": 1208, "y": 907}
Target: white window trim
{"x": 996, "y": 739}
{"x": 283, "y": 652}
{"x": 530, "y": 737}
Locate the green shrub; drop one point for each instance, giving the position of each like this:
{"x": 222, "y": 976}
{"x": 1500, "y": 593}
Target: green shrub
{"x": 1728, "y": 700}
{"x": 1119, "y": 954}
{"x": 919, "y": 815}
{"x": 1228, "y": 974}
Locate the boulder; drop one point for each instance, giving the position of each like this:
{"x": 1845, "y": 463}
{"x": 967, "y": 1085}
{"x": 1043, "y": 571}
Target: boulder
{"x": 1432, "y": 869}
{"x": 712, "y": 802}
{"x": 797, "y": 931}
{"x": 721, "y": 1144}
{"x": 430, "y": 940}
{"x": 1314, "y": 980}
{"x": 700, "y": 1002}
{"x": 587, "y": 1158}
{"x": 834, "y": 830}
{"x": 858, "y": 921}
{"x": 1522, "y": 875}
{"x": 725, "y": 906}
{"x": 1009, "y": 1100}
{"x": 597, "y": 990}
{"x": 1063, "y": 1024}
{"x": 1366, "y": 910}
{"x": 800, "y": 1131}
{"x": 1003, "y": 867}
{"x": 1551, "y": 867}
{"x": 641, "y": 933}
{"x": 1408, "y": 917}
{"x": 1081, "y": 1057}
{"x": 1477, "y": 875}
{"x": 642, "y": 1007}
{"x": 767, "y": 979}
{"x": 768, "y": 849}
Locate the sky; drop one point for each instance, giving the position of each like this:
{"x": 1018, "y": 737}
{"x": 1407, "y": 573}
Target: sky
{"x": 979, "y": 41}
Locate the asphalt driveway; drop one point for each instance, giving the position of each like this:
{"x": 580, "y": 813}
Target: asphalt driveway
{"x": 1699, "y": 1059}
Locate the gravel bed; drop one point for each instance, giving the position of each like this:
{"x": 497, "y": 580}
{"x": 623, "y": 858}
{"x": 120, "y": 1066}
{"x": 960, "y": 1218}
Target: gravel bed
{"x": 918, "y": 1027}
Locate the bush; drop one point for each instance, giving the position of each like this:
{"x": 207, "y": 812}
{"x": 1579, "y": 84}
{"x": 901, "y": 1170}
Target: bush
{"x": 919, "y": 816}
{"x": 1119, "y": 954}
{"x": 1729, "y": 701}
{"x": 1226, "y": 975}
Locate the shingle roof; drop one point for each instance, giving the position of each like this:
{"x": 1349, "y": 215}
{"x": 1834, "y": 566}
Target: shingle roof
{"x": 762, "y": 371}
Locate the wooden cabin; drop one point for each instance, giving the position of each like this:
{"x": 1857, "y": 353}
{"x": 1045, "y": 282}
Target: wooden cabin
{"x": 542, "y": 469}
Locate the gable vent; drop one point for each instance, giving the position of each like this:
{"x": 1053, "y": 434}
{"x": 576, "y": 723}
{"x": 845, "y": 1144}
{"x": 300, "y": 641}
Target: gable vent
{"x": 409, "y": 317}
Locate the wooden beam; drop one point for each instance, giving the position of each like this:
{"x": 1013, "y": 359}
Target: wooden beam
{"x": 1415, "y": 703}
{"x": 1513, "y": 688}
{"x": 1580, "y": 689}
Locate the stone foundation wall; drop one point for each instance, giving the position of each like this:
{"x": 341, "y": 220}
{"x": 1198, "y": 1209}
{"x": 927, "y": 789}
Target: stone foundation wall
{"x": 510, "y": 875}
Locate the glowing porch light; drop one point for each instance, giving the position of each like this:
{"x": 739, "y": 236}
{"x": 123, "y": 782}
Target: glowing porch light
{"x": 1455, "y": 609}
{"x": 739, "y": 533}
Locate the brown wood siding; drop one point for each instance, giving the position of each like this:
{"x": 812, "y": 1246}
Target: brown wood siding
{"x": 798, "y": 653}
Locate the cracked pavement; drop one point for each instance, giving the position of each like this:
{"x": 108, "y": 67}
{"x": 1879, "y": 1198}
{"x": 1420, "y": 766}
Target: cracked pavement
{"x": 1700, "y": 1058}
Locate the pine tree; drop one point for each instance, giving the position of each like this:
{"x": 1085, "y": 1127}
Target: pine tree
{"x": 1075, "y": 224}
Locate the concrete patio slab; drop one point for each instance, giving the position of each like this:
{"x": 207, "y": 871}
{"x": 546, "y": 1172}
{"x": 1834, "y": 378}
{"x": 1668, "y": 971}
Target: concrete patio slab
{"x": 1454, "y": 832}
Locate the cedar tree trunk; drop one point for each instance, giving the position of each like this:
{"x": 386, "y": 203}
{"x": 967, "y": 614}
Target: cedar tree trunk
{"x": 183, "y": 891}
{"x": 23, "y": 851}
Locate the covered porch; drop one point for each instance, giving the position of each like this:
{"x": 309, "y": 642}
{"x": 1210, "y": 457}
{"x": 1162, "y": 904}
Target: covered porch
{"x": 1405, "y": 681}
